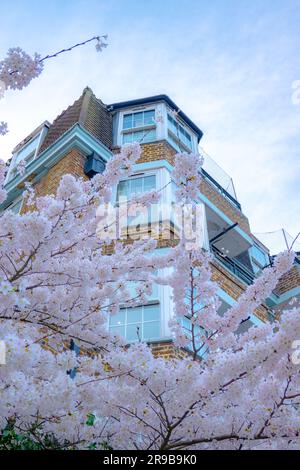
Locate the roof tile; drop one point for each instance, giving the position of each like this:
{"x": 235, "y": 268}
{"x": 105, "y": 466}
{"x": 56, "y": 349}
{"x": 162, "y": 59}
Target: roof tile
{"x": 90, "y": 113}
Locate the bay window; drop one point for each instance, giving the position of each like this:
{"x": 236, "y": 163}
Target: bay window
{"x": 137, "y": 323}
{"x": 178, "y": 135}
{"x": 139, "y": 127}
{"x": 125, "y": 191}
{"x": 136, "y": 185}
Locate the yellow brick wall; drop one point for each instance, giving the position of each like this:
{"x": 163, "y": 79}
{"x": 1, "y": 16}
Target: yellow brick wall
{"x": 233, "y": 287}
{"x": 159, "y": 150}
{"x": 167, "y": 350}
{"x": 225, "y": 206}
{"x": 71, "y": 163}
{"x": 289, "y": 281}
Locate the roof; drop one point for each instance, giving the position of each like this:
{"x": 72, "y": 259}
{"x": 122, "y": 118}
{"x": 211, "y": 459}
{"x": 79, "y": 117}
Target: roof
{"x": 155, "y": 99}
{"x": 88, "y": 111}
{"x": 96, "y": 117}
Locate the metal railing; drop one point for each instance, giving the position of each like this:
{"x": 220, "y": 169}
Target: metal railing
{"x": 234, "y": 266}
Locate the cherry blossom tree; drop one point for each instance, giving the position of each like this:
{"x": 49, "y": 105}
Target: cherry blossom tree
{"x": 60, "y": 282}
{"x": 18, "y": 68}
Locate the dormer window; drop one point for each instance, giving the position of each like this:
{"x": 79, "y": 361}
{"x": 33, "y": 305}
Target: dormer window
{"x": 27, "y": 150}
{"x": 139, "y": 126}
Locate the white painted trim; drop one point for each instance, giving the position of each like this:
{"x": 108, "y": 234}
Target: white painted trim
{"x": 167, "y": 305}
{"x": 14, "y": 203}
{"x": 39, "y": 137}
{"x": 182, "y": 123}
{"x": 135, "y": 109}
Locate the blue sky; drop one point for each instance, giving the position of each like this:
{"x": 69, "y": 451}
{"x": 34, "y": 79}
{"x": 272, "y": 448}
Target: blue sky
{"x": 228, "y": 64}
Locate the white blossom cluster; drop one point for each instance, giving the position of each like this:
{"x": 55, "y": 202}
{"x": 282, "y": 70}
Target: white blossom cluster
{"x": 59, "y": 281}
{"x": 187, "y": 175}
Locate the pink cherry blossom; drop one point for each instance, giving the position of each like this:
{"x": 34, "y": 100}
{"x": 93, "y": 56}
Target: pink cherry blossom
{"x": 60, "y": 282}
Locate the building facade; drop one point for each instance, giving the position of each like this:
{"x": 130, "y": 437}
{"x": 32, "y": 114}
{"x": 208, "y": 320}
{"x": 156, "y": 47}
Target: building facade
{"x": 84, "y": 136}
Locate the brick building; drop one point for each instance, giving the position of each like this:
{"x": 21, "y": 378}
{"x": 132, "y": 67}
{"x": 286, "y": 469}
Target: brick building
{"x": 84, "y": 136}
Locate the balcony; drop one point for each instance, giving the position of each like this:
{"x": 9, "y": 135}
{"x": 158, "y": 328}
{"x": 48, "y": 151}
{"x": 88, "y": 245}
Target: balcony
{"x": 234, "y": 266}
{"x": 221, "y": 190}
{"x": 219, "y": 179}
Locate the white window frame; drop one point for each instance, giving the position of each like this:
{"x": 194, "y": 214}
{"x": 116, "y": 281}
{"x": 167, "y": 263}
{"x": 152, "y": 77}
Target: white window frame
{"x": 12, "y": 171}
{"x": 131, "y": 178}
{"x": 165, "y": 302}
{"x": 157, "y": 107}
{"x": 162, "y": 180}
{"x": 142, "y": 321}
{"x": 194, "y": 141}
{"x": 137, "y": 175}
{"x": 14, "y": 203}
{"x": 255, "y": 262}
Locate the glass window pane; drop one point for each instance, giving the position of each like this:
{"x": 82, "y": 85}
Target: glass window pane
{"x": 136, "y": 185}
{"x": 172, "y": 124}
{"x": 151, "y": 330}
{"x": 149, "y": 135}
{"x": 184, "y": 136}
{"x": 137, "y": 136}
{"x": 138, "y": 120}
{"x": 127, "y": 121}
{"x": 259, "y": 256}
{"x": 127, "y": 138}
{"x": 188, "y": 136}
{"x": 188, "y": 142}
{"x": 151, "y": 312}
{"x": 154, "y": 295}
{"x": 122, "y": 189}
{"x": 181, "y": 132}
{"x": 118, "y": 330}
{"x": 256, "y": 267}
{"x": 134, "y": 332}
{"x": 118, "y": 318}
{"x": 173, "y": 141}
{"x": 142, "y": 216}
{"x": 186, "y": 324}
{"x": 134, "y": 315}
{"x": 153, "y": 213}
{"x": 149, "y": 183}
{"x": 149, "y": 117}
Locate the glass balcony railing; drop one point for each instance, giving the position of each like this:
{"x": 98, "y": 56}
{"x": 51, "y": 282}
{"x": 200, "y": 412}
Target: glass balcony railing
{"x": 219, "y": 179}
{"x": 234, "y": 266}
